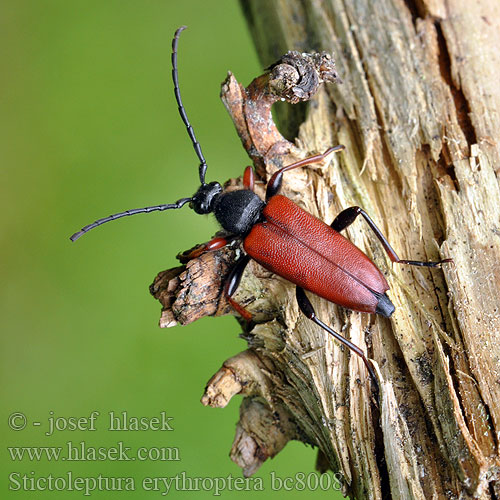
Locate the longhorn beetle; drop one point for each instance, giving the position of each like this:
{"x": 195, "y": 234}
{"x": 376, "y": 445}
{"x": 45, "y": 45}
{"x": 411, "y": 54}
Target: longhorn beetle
{"x": 285, "y": 239}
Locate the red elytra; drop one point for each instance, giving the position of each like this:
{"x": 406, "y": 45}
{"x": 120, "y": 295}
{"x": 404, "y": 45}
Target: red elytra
{"x": 303, "y": 249}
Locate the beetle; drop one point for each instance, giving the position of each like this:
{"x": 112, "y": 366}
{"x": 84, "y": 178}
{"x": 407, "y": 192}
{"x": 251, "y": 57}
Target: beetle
{"x": 285, "y": 239}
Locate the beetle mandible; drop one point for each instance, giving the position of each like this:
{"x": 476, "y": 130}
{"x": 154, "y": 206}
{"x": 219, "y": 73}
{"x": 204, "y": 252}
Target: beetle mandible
{"x": 286, "y": 239}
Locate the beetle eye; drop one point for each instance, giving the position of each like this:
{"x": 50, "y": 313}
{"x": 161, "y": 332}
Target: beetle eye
{"x": 203, "y": 199}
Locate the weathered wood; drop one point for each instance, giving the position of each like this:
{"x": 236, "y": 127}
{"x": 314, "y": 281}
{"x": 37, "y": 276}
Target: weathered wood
{"x": 419, "y": 114}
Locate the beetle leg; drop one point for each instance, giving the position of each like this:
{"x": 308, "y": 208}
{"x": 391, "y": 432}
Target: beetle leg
{"x": 348, "y": 216}
{"x": 307, "y": 308}
{"x": 274, "y": 184}
{"x": 213, "y": 244}
{"x": 249, "y": 178}
{"x": 232, "y": 285}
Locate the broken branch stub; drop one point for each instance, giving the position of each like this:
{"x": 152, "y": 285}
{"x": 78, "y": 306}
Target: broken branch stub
{"x": 272, "y": 412}
{"x": 295, "y": 77}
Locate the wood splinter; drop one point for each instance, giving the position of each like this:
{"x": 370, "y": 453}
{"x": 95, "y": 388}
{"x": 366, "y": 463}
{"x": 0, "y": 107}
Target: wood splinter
{"x": 261, "y": 433}
{"x": 244, "y": 373}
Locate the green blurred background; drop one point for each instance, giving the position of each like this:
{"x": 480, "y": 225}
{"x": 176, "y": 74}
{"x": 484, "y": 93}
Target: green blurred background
{"x": 90, "y": 127}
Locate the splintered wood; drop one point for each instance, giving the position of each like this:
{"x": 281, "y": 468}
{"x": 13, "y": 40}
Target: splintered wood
{"x": 419, "y": 114}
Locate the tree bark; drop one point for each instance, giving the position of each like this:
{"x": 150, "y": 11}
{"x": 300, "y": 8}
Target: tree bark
{"x": 419, "y": 114}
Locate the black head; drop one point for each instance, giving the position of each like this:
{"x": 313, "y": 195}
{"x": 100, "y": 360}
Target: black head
{"x": 203, "y": 200}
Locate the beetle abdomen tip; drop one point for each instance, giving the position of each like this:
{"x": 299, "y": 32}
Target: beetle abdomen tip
{"x": 385, "y": 307}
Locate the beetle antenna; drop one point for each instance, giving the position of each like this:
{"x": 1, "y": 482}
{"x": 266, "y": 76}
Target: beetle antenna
{"x": 182, "y": 110}
{"x": 86, "y": 229}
